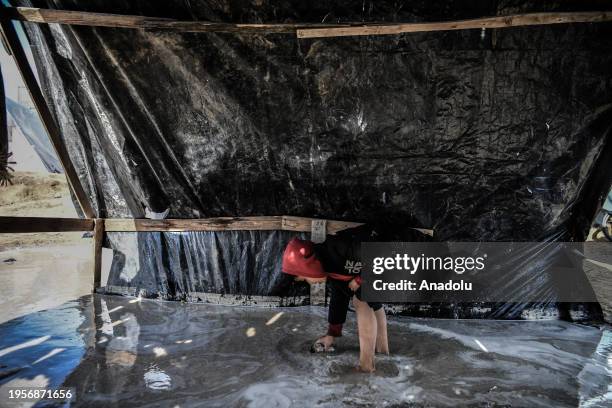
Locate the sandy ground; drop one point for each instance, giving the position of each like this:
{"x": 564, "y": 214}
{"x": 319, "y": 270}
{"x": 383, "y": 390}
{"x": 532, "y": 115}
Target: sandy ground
{"x": 128, "y": 352}
{"x": 42, "y": 270}
{"x": 44, "y": 277}
{"x": 37, "y": 195}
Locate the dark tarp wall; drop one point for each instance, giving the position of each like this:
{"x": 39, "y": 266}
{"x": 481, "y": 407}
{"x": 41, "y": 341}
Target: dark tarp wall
{"x": 494, "y": 135}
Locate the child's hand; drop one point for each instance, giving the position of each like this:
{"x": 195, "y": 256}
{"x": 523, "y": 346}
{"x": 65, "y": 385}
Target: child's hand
{"x": 323, "y": 344}
{"x": 353, "y": 285}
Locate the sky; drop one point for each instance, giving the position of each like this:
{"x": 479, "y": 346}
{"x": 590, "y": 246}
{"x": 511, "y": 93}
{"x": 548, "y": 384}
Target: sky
{"x": 10, "y": 74}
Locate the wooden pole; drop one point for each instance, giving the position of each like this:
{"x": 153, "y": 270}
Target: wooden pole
{"x": 303, "y": 30}
{"x": 258, "y": 223}
{"x": 517, "y": 20}
{"x": 45, "y": 115}
{"x": 5, "y": 176}
{"x": 98, "y": 240}
{"x": 11, "y": 225}
{"x": 204, "y": 224}
{"x": 38, "y": 15}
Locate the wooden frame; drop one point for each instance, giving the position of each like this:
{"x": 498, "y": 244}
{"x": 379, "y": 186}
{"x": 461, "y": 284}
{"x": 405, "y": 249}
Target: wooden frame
{"x": 205, "y": 224}
{"x": 29, "y": 80}
{"x": 11, "y": 225}
{"x": 301, "y": 30}
{"x": 98, "y": 240}
{"x": 45, "y": 16}
{"x": 516, "y": 20}
{"x": 263, "y": 223}
{"x": 99, "y": 226}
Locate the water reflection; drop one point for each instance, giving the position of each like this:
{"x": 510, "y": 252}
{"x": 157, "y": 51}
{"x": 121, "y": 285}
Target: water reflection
{"x": 42, "y": 348}
{"x": 119, "y": 353}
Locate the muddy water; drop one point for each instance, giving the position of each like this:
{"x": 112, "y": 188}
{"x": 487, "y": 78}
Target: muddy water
{"x": 126, "y": 352}
{"x": 38, "y": 278}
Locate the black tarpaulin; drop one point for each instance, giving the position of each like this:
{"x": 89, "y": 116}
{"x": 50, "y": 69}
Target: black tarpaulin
{"x": 482, "y": 135}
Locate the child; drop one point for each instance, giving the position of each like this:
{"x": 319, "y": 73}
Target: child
{"x": 337, "y": 260}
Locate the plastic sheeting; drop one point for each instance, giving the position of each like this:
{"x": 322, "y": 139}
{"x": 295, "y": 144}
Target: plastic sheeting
{"x": 483, "y": 135}
{"x": 32, "y": 130}
{"x": 193, "y": 265}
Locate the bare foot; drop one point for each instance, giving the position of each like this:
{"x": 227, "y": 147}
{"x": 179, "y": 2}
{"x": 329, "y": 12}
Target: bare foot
{"x": 360, "y": 369}
{"x": 383, "y": 349}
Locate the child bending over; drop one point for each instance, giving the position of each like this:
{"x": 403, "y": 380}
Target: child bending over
{"x": 338, "y": 262}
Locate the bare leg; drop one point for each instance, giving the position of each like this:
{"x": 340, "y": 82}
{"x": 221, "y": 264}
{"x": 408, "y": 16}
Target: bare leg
{"x": 366, "y": 325}
{"x": 382, "y": 342}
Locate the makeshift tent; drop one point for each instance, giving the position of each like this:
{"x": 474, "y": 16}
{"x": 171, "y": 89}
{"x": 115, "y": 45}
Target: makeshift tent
{"x": 480, "y": 135}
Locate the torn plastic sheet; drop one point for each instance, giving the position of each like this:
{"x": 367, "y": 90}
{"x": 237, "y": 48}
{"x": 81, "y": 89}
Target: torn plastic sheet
{"x": 495, "y": 135}
{"x": 28, "y": 123}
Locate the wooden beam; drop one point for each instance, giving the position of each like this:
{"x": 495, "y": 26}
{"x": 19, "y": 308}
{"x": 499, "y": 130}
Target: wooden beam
{"x": 261, "y": 223}
{"x": 425, "y": 231}
{"x": 303, "y": 30}
{"x": 203, "y": 224}
{"x": 45, "y": 115}
{"x": 286, "y": 223}
{"x": 38, "y": 15}
{"x": 42, "y": 224}
{"x": 304, "y": 224}
{"x": 516, "y": 20}
{"x": 98, "y": 240}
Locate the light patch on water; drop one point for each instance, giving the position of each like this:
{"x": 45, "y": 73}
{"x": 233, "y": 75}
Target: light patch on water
{"x": 483, "y": 348}
{"x": 49, "y": 355}
{"x": 157, "y": 379}
{"x": 107, "y": 327}
{"x": 120, "y": 321}
{"x": 26, "y": 344}
{"x": 159, "y": 352}
{"x": 114, "y": 309}
{"x": 597, "y": 393}
{"x": 274, "y": 318}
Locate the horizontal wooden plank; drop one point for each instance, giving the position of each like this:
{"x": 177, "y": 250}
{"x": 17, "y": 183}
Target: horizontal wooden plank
{"x": 262, "y": 223}
{"x": 302, "y": 30}
{"x": 204, "y": 224}
{"x": 43, "y": 224}
{"x": 304, "y": 224}
{"x": 516, "y": 20}
{"x": 38, "y": 15}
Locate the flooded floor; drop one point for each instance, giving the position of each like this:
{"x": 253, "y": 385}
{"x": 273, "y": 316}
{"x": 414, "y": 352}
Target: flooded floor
{"x": 129, "y": 352}
{"x": 41, "y": 277}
